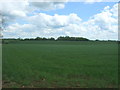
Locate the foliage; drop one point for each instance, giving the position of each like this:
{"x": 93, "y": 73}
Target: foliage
{"x": 67, "y": 38}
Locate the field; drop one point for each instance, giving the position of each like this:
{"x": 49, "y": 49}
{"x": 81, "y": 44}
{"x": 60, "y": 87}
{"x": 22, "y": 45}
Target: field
{"x": 56, "y": 64}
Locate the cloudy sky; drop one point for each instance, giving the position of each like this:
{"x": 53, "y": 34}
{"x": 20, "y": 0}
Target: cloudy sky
{"x": 92, "y": 20}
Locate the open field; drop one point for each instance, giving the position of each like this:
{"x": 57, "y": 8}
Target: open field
{"x": 60, "y": 64}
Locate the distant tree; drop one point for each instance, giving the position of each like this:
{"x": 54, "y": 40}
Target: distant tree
{"x": 96, "y": 40}
{"x": 44, "y": 38}
{"x": 51, "y": 39}
{"x": 67, "y": 38}
{"x": 81, "y": 39}
{"x": 38, "y": 38}
{"x": 19, "y": 39}
{"x": 26, "y": 39}
{"x": 31, "y": 39}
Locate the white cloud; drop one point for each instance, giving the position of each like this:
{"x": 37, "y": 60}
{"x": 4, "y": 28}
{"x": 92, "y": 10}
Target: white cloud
{"x": 100, "y": 26}
{"x": 60, "y": 0}
{"x": 57, "y": 21}
{"x": 14, "y": 10}
{"x": 104, "y": 25}
{"x": 44, "y": 25}
{"x": 47, "y": 5}
{"x": 93, "y": 1}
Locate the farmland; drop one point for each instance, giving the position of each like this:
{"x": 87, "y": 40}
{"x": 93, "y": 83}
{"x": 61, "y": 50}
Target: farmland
{"x": 83, "y": 64}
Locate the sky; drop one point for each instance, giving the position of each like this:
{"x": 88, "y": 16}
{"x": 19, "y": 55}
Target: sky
{"x": 96, "y": 20}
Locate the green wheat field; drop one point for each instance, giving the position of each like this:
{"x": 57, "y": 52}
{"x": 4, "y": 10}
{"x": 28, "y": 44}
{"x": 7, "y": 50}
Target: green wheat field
{"x": 56, "y": 64}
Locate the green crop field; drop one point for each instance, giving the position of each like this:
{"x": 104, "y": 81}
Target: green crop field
{"x": 56, "y": 64}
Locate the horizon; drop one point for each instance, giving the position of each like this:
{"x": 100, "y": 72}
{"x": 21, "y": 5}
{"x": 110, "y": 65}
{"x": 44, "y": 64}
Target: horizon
{"x": 57, "y": 38}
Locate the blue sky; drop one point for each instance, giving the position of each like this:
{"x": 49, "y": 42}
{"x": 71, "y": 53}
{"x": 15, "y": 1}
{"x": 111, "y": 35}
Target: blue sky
{"x": 83, "y": 10}
{"x": 33, "y": 19}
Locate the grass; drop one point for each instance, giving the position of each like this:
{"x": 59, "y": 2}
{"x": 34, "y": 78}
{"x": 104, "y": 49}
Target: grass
{"x": 60, "y": 64}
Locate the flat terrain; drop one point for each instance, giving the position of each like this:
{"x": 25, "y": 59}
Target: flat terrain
{"x": 60, "y": 64}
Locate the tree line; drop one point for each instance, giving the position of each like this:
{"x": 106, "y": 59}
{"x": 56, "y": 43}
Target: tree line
{"x": 61, "y": 38}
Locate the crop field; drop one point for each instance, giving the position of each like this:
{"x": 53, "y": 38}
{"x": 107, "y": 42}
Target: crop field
{"x": 56, "y": 64}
